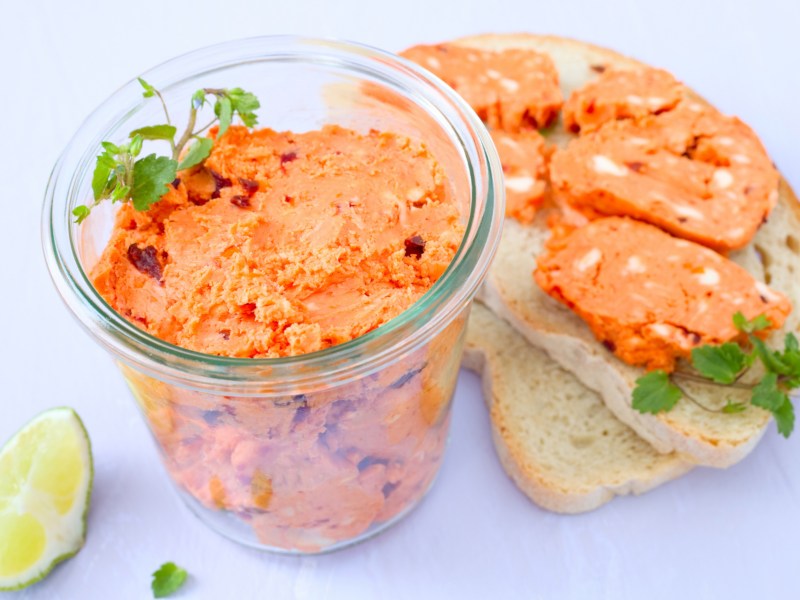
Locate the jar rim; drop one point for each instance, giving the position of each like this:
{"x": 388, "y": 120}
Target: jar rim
{"x": 339, "y": 363}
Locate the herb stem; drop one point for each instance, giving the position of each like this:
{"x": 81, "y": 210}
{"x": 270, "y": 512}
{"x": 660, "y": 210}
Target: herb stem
{"x": 695, "y": 401}
{"x": 700, "y": 379}
{"x": 187, "y": 135}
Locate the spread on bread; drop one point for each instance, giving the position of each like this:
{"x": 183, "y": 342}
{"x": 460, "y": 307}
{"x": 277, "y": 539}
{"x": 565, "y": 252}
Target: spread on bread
{"x": 523, "y": 156}
{"x": 509, "y": 89}
{"x": 621, "y": 94}
{"x": 648, "y": 296}
{"x": 691, "y": 171}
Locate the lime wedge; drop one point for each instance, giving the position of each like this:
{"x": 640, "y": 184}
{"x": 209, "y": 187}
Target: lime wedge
{"x": 45, "y": 484}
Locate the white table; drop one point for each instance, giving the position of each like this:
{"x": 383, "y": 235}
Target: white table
{"x": 711, "y": 534}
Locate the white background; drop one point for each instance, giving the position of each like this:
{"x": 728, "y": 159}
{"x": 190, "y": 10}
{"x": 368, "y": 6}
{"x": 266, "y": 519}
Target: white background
{"x": 711, "y": 534}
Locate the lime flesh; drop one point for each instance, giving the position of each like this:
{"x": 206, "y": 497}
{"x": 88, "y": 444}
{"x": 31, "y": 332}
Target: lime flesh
{"x": 45, "y": 484}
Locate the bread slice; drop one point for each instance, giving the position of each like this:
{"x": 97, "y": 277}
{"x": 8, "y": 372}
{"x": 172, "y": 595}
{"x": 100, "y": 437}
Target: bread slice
{"x": 704, "y": 437}
{"x": 555, "y": 438}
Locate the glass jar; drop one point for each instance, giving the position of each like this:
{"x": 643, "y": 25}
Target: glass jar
{"x": 314, "y": 452}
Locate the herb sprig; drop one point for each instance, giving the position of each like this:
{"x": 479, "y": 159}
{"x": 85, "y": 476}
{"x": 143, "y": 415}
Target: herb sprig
{"x": 121, "y": 176}
{"x": 728, "y": 365}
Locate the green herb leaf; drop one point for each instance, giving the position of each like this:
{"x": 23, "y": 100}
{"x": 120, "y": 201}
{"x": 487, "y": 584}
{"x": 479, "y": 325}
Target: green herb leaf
{"x": 790, "y": 342}
{"x": 733, "y": 407}
{"x": 156, "y": 132}
{"x": 136, "y": 145}
{"x": 245, "y": 104}
{"x": 101, "y": 178}
{"x": 149, "y": 90}
{"x": 655, "y": 393}
{"x": 198, "y": 152}
{"x": 198, "y": 99}
{"x": 167, "y": 580}
{"x": 784, "y": 418}
{"x": 224, "y": 110}
{"x": 80, "y": 213}
{"x": 757, "y": 324}
{"x": 719, "y": 363}
{"x": 110, "y": 148}
{"x": 767, "y": 395}
{"x": 772, "y": 361}
{"x": 151, "y": 175}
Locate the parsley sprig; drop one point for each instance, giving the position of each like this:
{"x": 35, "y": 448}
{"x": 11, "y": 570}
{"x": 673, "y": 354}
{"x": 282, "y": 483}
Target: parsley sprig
{"x": 121, "y": 176}
{"x": 728, "y": 365}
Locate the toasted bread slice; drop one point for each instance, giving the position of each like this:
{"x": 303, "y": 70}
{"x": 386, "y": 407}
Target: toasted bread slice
{"x": 555, "y": 438}
{"x": 704, "y": 437}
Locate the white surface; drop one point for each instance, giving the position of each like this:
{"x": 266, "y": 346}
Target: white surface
{"x": 712, "y": 534}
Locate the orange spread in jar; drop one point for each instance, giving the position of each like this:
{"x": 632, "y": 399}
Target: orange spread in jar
{"x": 284, "y": 243}
{"x": 648, "y": 296}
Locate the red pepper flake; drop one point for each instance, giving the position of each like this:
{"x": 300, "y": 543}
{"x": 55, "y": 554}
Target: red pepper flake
{"x": 415, "y": 246}
{"x": 635, "y": 166}
{"x": 288, "y": 157}
{"x": 145, "y": 260}
{"x": 219, "y": 182}
{"x": 241, "y": 201}
{"x": 599, "y": 68}
{"x": 250, "y": 186}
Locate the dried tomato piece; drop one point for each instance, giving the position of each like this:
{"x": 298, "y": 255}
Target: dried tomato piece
{"x": 250, "y": 186}
{"x": 219, "y": 182}
{"x": 241, "y": 201}
{"x": 288, "y": 157}
{"x": 145, "y": 260}
{"x": 415, "y": 246}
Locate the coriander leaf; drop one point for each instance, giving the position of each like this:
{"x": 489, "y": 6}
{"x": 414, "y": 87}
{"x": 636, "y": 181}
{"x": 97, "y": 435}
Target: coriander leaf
{"x": 102, "y": 174}
{"x": 733, "y": 407}
{"x": 80, "y": 212}
{"x": 151, "y": 175}
{"x": 244, "y": 104}
{"x": 767, "y": 395}
{"x": 772, "y": 361}
{"x": 719, "y": 363}
{"x": 757, "y": 324}
{"x": 156, "y": 132}
{"x": 784, "y": 418}
{"x": 149, "y": 90}
{"x": 224, "y": 109}
{"x": 167, "y": 580}
{"x": 196, "y": 154}
{"x": 655, "y": 393}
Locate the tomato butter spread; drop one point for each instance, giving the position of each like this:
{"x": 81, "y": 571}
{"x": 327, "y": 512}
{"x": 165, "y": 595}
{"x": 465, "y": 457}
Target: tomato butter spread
{"x": 648, "y": 296}
{"x": 509, "y": 89}
{"x": 621, "y": 94}
{"x": 523, "y": 156}
{"x": 284, "y": 243}
{"x": 691, "y": 171}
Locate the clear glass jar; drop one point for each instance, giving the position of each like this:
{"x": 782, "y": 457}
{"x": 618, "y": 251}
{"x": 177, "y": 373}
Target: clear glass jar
{"x": 308, "y": 453}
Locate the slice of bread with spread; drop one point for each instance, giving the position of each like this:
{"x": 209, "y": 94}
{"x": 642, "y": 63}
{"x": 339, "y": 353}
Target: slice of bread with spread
{"x": 556, "y": 439}
{"x": 701, "y": 436}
